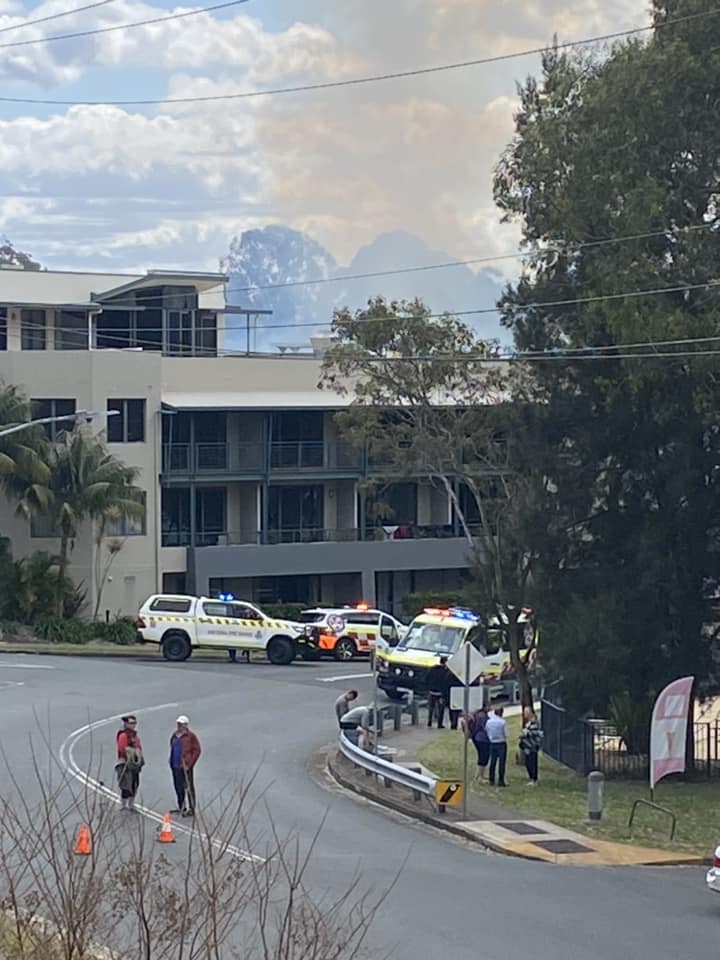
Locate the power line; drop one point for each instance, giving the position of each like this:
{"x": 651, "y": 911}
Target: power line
{"x": 567, "y": 248}
{"x": 55, "y": 16}
{"x": 354, "y": 81}
{"x": 98, "y": 30}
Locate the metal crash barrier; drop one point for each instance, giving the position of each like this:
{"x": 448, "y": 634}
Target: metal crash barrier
{"x": 390, "y": 772}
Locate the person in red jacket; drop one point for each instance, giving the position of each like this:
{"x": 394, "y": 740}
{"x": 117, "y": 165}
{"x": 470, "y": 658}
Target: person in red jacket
{"x": 185, "y": 751}
{"x": 130, "y": 761}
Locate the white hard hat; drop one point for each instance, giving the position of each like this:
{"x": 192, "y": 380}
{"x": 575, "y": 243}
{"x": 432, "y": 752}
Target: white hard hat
{"x": 183, "y": 719}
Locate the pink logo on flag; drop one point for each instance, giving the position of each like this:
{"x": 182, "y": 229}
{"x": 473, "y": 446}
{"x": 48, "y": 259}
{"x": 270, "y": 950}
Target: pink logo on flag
{"x": 668, "y": 730}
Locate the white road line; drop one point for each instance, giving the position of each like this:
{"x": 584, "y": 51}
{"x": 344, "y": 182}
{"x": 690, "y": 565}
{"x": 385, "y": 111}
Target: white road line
{"x": 67, "y": 760}
{"x": 26, "y": 666}
{"x": 347, "y": 676}
{"x": 4, "y": 684}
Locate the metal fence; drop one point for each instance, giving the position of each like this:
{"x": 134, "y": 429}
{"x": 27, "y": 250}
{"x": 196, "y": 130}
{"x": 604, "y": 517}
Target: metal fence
{"x": 585, "y": 745}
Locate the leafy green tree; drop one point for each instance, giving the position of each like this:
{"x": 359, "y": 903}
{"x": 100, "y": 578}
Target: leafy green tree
{"x": 430, "y": 400}
{"x": 85, "y": 484}
{"x": 617, "y": 146}
{"x": 22, "y": 454}
{"x": 16, "y": 258}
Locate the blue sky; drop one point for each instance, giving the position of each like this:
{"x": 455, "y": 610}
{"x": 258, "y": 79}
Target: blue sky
{"x": 139, "y": 187}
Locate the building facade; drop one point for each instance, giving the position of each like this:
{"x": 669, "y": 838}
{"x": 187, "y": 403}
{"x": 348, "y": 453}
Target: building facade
{"x": 248, "y": 487}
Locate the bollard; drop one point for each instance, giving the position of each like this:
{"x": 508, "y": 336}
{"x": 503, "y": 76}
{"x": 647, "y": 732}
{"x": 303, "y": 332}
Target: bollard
{"x": 414, "y": 712}
{"x": 596, "y": 782}
{"x": 397, "y": 716}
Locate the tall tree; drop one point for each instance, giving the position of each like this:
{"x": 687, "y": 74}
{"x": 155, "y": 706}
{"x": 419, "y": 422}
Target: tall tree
{"x": 613, "y": 174}
{"x": 430, "y": 400}
{"x": 85, "y": 483}
{"x": 16, "y": 258}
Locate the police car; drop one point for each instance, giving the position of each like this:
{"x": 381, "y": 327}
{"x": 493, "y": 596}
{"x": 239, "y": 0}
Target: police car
{"x": 435, "y": 633}
{"x": 347, "y": 632}
{"x": 181, "y": 624}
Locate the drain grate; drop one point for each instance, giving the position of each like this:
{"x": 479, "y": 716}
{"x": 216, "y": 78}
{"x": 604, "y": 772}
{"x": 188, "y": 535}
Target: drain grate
{"x": 525, "y": 829}
{"x": 561, "y": 846}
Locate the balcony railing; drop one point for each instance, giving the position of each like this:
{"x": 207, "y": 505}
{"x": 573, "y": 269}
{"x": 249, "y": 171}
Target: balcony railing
{"x": 238, "y": 458}
{"x": 227, "y": 538}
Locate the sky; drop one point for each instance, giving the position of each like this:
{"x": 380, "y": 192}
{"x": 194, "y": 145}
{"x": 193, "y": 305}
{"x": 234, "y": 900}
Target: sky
{"x": 137, "y": 187}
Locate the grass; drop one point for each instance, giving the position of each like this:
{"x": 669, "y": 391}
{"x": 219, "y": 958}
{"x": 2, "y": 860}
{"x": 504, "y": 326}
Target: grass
{"x": 561, "y": 797}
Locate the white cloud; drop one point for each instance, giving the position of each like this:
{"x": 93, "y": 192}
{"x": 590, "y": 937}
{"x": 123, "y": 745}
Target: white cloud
{"x": 111, "y": 185}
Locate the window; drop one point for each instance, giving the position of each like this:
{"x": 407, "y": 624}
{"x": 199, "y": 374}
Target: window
{"x": 241, "y": 611}
{"x": 215, "y": 609}
{"x": 3, "y": 328}
{"x": 128, "y": 526}
{"x": 292, "y": 510}
{"x": 209, "y": 515}
{"x": 71, "y": 330}
{"x": 42, "y": 527}
{"x": 128, "y": 424}
{"x": 171, "y": 605}
{"x": 205, "y": 333}
{"x": 175, "y": 582}
{"x": 54, "y": 408}
{"x": 175, "y": 516}
{"x": 32, "y": 330}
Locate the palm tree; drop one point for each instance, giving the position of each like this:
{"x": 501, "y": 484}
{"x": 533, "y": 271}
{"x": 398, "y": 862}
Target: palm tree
{"x": 85, "y": 482}
{"x": 23, "y": 455}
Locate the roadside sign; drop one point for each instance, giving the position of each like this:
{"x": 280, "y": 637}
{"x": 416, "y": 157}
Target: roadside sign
{"x": 448, "y": 793}
{"x": 458, "y": 663}
{"x": 475, "y": 698}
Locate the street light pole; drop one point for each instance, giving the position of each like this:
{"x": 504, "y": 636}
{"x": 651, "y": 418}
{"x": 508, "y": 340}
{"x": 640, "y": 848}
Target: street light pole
{"x": 80, "y": 416}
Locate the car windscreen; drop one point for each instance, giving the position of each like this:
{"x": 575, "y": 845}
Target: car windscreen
{"x": 433, "y": 637}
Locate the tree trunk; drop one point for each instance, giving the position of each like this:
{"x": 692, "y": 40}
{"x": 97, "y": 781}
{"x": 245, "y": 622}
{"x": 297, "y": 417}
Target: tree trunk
{"x": 64, "y": 559}
{"x": 515, "y": 645}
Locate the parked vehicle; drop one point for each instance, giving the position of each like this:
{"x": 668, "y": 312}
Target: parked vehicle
{"x": 181, "y": 624}
{"x": 713, "y": 875}
{"x": 435, "y": 633}
{"x": 347, "y": 632}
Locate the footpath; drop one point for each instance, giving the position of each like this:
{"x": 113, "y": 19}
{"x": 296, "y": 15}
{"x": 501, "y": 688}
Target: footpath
{"x": 490, "y": 822}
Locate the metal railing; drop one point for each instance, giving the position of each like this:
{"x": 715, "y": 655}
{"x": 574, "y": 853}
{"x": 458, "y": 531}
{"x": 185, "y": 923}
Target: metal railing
{"x": 390, "y": 772}
{"x": 304, "y": 456}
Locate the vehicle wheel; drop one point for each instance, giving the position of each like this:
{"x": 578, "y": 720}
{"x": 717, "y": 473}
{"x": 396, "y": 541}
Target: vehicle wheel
{"x": 281, "y": 651}
{"x": 345, "y": 649}
{"x": 176, "y": 646}
{"x": 394, "y": 695}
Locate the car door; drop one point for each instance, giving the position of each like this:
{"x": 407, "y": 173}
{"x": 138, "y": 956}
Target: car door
{"x": 388, "y": 631}
{"x": 212, "y": 623}
{"x": 246, "y": 626}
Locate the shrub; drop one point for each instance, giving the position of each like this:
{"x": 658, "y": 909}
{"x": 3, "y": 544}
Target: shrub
{"x": 121, "y": 631}
{"x": 54, "y": 629}
{"x": 285, "y": 611}
{"x": 415, "y": 603}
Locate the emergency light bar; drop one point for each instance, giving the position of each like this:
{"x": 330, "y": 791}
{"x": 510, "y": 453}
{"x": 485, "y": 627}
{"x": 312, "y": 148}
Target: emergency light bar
{"x": 458, "y": 613}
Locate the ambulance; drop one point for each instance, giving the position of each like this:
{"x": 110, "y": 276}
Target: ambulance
{"x": 435, "y": 633}
{"x": 347, "y": 632}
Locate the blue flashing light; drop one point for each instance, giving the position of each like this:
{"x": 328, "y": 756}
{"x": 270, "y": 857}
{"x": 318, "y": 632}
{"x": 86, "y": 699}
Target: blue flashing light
{"x": 226, "y": 596}
{"x": 460, "y": 613}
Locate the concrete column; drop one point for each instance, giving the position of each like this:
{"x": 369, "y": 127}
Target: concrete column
{"x": 368, "y": 586}
{"x": 424, "y": 491}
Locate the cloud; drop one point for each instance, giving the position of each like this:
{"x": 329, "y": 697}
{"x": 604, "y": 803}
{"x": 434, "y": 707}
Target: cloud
{"x": 108, "y": 186}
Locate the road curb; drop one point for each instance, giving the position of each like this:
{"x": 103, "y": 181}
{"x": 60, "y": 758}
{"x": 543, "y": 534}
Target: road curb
{"x": 457, "y": 830}
{"x": 420, "y": 815}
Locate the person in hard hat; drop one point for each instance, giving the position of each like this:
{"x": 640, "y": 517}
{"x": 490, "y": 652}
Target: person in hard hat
{"x": 185, "y": 752}
{"x": 130, "y": 762}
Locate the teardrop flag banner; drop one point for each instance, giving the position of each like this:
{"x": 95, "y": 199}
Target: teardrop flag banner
{"x": 668, "y": 730}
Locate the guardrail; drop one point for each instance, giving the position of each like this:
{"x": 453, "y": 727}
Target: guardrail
{"x": 390, "y": 772}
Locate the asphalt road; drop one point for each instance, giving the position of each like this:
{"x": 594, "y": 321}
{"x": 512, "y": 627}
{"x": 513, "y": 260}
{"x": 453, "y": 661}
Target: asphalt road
{"x": 450, "y": 900}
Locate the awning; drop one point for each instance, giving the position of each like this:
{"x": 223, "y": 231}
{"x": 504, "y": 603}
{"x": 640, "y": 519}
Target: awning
{"x": 257, "y": 400}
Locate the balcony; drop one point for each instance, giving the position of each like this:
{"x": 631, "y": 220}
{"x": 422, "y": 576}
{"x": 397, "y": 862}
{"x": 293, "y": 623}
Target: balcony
{"x": 253, "y": 459}
{"x": 286, "y": 535}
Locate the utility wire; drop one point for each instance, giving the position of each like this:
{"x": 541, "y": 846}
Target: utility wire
{"x": 55, "y": 16}
{"x": 98, "y": 30}
{"x": 351, "y": 82}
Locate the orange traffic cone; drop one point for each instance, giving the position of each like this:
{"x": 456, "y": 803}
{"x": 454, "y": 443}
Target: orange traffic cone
{"x": 165, "y": 832}
{"x": 83, "y": 843}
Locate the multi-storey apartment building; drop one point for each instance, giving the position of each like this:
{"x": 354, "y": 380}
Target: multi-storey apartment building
{"x": 248, "y": 486}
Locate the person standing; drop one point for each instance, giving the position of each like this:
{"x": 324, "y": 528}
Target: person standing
{"x": 497, "y": 734}
{"x": 185, "y": 752}
{"x": 477, "y": 731}
{"x": 530, "y": 742}
{"x": 130, "y": 762}
{"x": 342, "y": 704}
{"x": 438, "y": 683}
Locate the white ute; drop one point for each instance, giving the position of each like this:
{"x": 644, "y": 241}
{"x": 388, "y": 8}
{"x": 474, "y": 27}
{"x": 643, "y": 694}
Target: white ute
{"x": 181, "y": 624}
{"x": 713, "y": 875}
